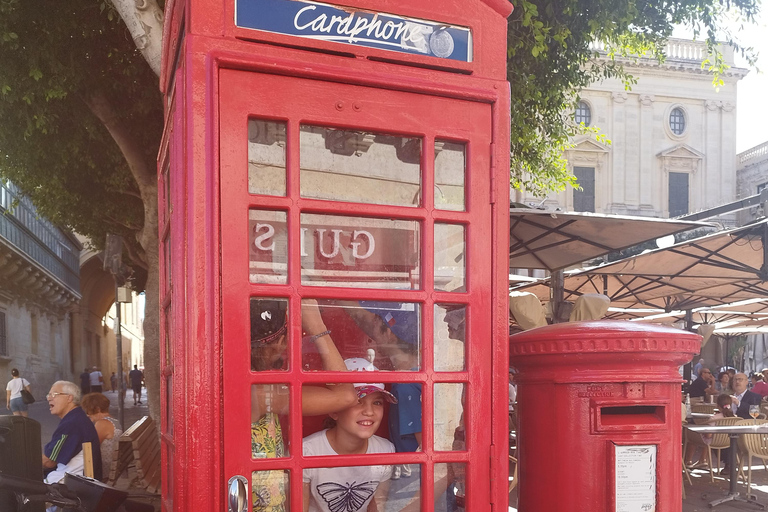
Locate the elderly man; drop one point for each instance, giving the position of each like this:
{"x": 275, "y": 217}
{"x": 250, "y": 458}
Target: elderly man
{"x": 743, "y": 395}
{"x": 698, "y": 367}
{"x": 64, "y": 451}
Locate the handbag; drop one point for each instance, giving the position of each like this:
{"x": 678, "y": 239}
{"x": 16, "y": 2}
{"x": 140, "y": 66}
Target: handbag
{"x": 27, "y": 397}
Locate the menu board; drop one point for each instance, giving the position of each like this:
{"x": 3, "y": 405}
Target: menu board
{"x": 635, "y": 475}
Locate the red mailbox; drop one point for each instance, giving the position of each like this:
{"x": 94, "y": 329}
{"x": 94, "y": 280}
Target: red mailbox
{"x": 350, "y": 157}
{"x": 599, "y": 415}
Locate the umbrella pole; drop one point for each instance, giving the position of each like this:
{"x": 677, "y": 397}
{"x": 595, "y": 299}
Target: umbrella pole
{"x": 558, "y": 284}
{"x": 688, "y": 327}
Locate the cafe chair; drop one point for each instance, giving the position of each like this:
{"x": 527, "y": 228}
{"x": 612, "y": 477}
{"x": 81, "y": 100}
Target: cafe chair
{"x": 753, "y": 445}
{"x": 719, "y": 442}
{"x": 704, "y": 408}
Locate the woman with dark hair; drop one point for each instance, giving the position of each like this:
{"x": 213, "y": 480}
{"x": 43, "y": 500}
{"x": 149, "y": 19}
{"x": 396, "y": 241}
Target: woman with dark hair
{"x": 269, "y": 351}
{"x": 96, "y": 406}
{"x": 14, "y": 402}
{"x": 723, "y": 384}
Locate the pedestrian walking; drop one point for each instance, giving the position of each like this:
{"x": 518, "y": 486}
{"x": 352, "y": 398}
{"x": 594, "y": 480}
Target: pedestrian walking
{"x": 97, "y": 381}
{"x": 85, "y": 381}
{"x": 136, "y": 377}
{"x": 113, "y": 381}
{"x": 14, "y": 401}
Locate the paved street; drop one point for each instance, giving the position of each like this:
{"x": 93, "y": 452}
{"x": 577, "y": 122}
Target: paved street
{"x": 39, "y": 411}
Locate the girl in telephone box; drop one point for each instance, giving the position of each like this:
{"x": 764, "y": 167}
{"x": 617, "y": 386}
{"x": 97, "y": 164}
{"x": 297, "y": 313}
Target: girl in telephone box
{"x": 269, "y": 344}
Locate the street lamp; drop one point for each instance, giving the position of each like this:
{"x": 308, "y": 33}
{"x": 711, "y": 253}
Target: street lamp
{"x": 113, "y": 262}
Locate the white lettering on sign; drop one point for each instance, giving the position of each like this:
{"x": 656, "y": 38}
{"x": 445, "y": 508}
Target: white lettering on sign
{"x": 355, "y": 245}
{"x": 360, "y": 239}
{"x": 352, "y": 27}
{"x": 268, "y": 234}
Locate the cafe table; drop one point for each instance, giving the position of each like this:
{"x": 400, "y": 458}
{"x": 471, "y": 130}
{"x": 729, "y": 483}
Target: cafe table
{"x": 733, "y": 432}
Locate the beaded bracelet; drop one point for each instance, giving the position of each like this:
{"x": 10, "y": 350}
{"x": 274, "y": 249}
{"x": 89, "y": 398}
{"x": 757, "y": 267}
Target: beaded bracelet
{"x": 316, "y": 337}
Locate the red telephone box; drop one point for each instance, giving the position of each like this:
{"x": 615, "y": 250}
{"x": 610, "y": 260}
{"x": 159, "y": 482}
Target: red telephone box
{"x": 333, "y": 185}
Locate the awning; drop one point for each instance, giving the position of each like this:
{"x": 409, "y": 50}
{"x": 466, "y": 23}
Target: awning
{"x": 713, "y": 270}
{"x": 551, "y": 240}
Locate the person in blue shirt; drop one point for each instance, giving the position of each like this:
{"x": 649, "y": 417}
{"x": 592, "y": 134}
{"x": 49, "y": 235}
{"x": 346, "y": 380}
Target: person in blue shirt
{"x": 64, "y": 451}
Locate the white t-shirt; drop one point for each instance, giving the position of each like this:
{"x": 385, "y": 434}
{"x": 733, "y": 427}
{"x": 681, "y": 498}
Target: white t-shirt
{"x": 96, "y": 378}
{"x": 347, "y": 489}
{"x": 15, "y": 386}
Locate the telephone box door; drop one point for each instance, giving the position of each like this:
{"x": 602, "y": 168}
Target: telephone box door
{"x": 371, "y": 207}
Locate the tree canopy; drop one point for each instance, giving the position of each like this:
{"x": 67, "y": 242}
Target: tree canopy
{"x": 59, "y": 62}
{"x": 551, "y": 57}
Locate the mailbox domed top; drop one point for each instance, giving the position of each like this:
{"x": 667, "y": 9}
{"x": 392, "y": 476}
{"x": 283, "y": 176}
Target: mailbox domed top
{"x": 603, "y": 340}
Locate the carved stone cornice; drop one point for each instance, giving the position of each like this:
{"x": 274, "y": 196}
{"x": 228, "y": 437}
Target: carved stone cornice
{"x": 646, "y": 100}
{"x": 21, "y": 279}
{"x": 619, "y": 97}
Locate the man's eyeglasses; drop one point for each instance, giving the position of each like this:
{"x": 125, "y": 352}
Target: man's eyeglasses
{"x": 51, "y": 396}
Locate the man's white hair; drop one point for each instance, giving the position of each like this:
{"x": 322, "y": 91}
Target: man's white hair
{"x": 70, "y": 388}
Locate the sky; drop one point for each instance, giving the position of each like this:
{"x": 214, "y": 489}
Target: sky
{"x": 752, "y": 99}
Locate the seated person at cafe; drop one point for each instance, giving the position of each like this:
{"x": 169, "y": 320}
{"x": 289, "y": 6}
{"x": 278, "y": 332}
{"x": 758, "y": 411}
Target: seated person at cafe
{"x": 726, "y": 405}
{"x": 760, "y": 386}
{"x": 704, "y": 385}
{"x": 352, "y": 431}
{"x": 723, "y": 384}
{"x": 744, "y": 396}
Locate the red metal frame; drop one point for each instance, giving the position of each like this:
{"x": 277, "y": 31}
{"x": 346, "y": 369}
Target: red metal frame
{"x": 210, "y": 75}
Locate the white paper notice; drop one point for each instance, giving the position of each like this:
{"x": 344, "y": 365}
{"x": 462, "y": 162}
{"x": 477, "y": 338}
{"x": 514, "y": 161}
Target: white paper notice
{"x": 635, "y": 478}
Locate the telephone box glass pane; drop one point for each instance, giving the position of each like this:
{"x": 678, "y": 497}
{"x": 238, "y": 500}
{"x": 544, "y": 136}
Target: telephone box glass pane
{"x": 450, "y": 162}
{"x": 359, "y": 252}
{"x": 353, "y": 488}
{"x": 449, "y": 417}
{"x": 359, "y": 166}
{"x": 450, "y": 487}
{"x": 271, "y": 491}
{"x": 269, "y": 421}
{"x": 266, "y": 157}
{"x": 267, "y": 247}
{"x": 449, "y": 330}
{"x": 269, "y": 334}
{"x": 450, "y": 259}
{"x": 386, "y": 334}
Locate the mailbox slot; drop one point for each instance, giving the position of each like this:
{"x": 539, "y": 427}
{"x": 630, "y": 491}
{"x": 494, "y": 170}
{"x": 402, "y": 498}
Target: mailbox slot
{"x": 612, "y": 417}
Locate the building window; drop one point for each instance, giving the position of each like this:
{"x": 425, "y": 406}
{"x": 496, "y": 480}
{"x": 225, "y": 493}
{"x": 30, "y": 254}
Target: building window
{"x": 677, "y": 121}
{"x": 678, "y": 194}
{"x": 3, "y": 336}
{"x": 762, "y": 187}
{"x": 584, "y": 199}
{"x": 583, "y": 113}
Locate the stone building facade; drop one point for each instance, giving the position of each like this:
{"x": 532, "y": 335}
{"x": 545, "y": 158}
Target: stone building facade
{"x": 673, "y": 139}
{"x": 752, "y": 178}
{"x": 55, "y": 300}
{"x": 39, "y": 290}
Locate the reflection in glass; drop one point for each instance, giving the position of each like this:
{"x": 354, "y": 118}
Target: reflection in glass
{"x": 269, "y": 334}
{"x": 450, "y": 487}
{"x": 449, "y": 417}
{"x": 266, "y": 157}
{"x": 449, "y": 330}
{"x": 388, "y": 334}
{"x": 450, "y": 259}
{"x": 359, "y": 252}
{"x": 269, "y": 421}
{"x": 360, "y": 167}
{"x": 271, "y": 491}
{"x": 450, "y": 162}
{"x": 169, "y": 408}
{"x": 267, "y": 247}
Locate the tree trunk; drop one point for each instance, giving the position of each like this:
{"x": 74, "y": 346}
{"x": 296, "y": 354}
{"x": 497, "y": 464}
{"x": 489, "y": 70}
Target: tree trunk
{"x": 144, "y": 171}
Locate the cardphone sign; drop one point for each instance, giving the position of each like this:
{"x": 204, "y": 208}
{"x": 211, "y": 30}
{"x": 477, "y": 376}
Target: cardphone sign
{"x": 360, "y": 28}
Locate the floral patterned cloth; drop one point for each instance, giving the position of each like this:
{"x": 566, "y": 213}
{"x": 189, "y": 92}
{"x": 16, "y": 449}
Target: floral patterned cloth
{"x": 270, "y": 488}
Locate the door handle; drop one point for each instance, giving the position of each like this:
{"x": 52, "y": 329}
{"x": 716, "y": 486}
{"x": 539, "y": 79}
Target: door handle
{"x": 237, "y": 494}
